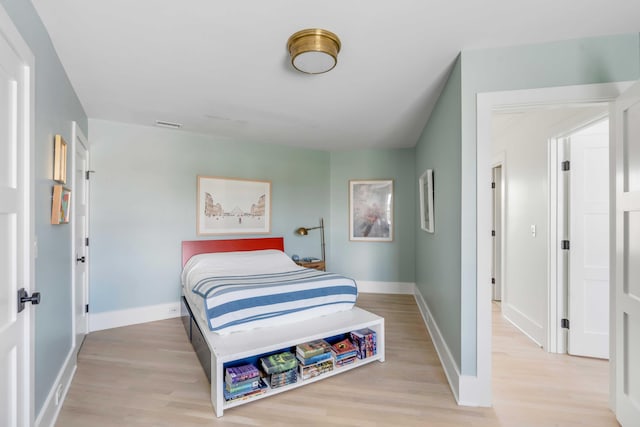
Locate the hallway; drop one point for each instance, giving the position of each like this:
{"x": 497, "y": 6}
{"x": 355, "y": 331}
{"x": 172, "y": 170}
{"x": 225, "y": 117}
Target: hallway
{"x": 552, "y": 389}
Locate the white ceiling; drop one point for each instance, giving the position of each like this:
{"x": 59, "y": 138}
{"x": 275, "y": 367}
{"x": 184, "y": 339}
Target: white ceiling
{"x": 222, "y": 67}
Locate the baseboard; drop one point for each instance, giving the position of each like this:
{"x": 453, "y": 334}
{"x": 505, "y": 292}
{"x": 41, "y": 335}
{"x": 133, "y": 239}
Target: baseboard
{"x": 447, "y": 361}
{"x": 406, "y": 288}
{"x": 523, "y": 323}
{"x": 133, "y": 316}
{"x": 473, "y": 392}
{"x": 468, "y": 390}
{"x": 51, "y": 408}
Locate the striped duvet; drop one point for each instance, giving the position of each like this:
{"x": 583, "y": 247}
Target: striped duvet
{"x": 277, "y": 291}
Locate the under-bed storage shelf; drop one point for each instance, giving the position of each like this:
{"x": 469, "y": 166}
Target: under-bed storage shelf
{"x": 237, "y": 346}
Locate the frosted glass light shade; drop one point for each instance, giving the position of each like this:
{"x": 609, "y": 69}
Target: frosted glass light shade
{"x": 314, "y": 51}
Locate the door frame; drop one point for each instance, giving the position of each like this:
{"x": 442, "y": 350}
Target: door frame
{"x": 13, "y": 36}
{"x": 77, "y": 135}
{"x": 487, "y": 102}
{"x": 557, "y": 274}
{"x": 500, "y": 161}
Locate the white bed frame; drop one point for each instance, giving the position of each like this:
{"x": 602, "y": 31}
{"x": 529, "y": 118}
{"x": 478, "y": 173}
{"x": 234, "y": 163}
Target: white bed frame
{"x": 225, "y": 349}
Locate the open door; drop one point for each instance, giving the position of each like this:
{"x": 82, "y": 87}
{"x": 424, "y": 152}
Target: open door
{"x": 626, "y": 261}
{"x": 81, "y": 236}
{"x": 589, "y": 241}
{"x": 16, "y": 227}
{"x": 496, "y": 267}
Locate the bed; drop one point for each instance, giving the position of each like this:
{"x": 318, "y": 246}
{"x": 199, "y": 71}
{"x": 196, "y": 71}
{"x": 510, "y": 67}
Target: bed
{"x": 244, "y": 298}
{"x": 238, "y": 290}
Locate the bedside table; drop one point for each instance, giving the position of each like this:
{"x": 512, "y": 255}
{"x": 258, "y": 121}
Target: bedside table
{"x": 318, "y": 265}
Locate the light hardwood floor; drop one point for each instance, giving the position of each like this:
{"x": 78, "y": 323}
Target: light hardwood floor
{"x": 148, "y": 375}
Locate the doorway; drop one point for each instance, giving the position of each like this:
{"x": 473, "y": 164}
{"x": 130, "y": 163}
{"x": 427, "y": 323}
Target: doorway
{"x": 521, "y": 205}
{"x": 80, "y": 236}
{"x": 497, "y": 186}
{"x": 527, "y": 231}
{"x": 481, "y": 389}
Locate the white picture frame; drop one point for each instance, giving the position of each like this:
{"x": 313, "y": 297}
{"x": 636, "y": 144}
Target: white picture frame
{"x": 426, "y": 201}
{"x": 371, "y": 210}
{"x": 233, "y": 206}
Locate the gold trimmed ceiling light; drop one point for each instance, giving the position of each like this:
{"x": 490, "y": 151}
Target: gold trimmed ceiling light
{"x": 314, "y": 51}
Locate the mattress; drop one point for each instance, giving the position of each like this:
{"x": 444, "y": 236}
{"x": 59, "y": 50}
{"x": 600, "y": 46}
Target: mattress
{"x": 236, "y": 291}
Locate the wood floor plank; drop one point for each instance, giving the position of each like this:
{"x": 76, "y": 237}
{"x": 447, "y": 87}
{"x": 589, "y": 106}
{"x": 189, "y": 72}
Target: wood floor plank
{"x": 148, "y": 375}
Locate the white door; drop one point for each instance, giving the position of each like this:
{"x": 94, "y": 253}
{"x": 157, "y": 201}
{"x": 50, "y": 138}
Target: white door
{"x": 15, "y": 227}
{"x": 496, "y": 274}
{"x": 626, "y": 276}
{"x": 81, "y": 224}
{"x": 589, "y": 241}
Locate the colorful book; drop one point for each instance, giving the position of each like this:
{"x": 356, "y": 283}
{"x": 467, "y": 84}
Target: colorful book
{"x": 315, "y": 359}
{"x": 312, "y": 348}
{"x": 279, "y": 362}
{"x": 346, "y": 361}
{"x": 344, "y": 349}
{"x": 249, "y": 384}
{"x": 310, "y": 371}
{"x": 365, "y": 342}
{"x": 283, "y": 378}
{"x": 236, "y": 374}
{"x": 262, "y": 387}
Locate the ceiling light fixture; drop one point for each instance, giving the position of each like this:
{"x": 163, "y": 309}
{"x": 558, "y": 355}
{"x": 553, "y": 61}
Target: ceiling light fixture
{"x": 314, "y": 51}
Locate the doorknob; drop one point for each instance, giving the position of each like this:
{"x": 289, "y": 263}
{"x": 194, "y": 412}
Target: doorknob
{"x": 81, "y": 259}
{"x": 23, "y": 297}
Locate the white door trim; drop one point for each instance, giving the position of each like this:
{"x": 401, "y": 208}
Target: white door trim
{"x": 556, "y": 336}
{"x": 486, "y": 104}
{"x": 13, "y": 36}
{"x": 77, "y": 136}
{"x": 500, "y": 160}
{"x": 626, "y": 310}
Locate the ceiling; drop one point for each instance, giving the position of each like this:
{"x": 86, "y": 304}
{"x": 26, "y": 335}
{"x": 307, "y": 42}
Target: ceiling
{"x": 222, "y": 67}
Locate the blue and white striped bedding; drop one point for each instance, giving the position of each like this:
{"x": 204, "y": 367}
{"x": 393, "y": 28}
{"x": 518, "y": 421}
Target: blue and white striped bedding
{"x": 245, "y": 290}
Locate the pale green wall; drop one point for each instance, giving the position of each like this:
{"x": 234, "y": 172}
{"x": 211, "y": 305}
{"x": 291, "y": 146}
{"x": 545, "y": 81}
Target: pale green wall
{"x": 564, "y": 63}
{"x": 56, "y": 106}
{"x": 374, "y": 261}
{"x": 446, "y": 260}
{"x": 143, "y": 204}
{"x": 438, "y": 254}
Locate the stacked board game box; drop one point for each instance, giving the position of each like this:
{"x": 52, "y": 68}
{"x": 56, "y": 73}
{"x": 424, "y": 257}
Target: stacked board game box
{"x": 315, "y": 358}
{"x": 344, "y": 352}
{"x": 313, "y": 352}
{"x": 242, "y": 382}
{"x": 283, "y": 378}
{"x": 365, "y": 342}
{"x": 281, "y": 369}
{"x": 315, "y": 369}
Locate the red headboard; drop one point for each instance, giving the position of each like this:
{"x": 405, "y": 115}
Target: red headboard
{"x": 195, "y": 247}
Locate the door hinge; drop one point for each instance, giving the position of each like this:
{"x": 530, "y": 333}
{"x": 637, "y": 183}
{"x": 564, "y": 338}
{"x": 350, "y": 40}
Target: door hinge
{"x": 86, "y": 308}
{"x": 493, "y": 280}
{"x": 493, "y": 233}
{"x": 566, "y": 165}
{"x": 88, "y": 174}
{"x": 564, "y": 323}
{"x": 564, "y": 245}
{"x": 86, "y": 241}
{"x": 493, "y": 185}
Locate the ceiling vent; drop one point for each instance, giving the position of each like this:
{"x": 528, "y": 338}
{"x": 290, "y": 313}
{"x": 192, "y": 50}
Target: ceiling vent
{"x": 170, "y": 125}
